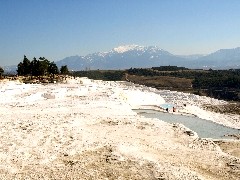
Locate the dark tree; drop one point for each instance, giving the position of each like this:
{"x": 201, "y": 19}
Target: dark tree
{"x": 39, "y": 67}
{"x": 34, "y": 67}
{"x": 20, "y": 69}
{"x": 26, "y": 65}
{"x": 53, "y": 69}
{"x": 43, "y": 66}
{"x": 64, "y": 70}
{"x": 1, "y": 72}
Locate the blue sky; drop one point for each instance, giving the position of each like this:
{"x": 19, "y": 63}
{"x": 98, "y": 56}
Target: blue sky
{"x": 56, "y": 29}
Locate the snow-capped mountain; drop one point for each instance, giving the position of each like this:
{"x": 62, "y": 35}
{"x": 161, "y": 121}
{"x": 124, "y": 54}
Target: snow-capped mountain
{"x": 123, "y": 57}
{"x": 135, "y": 56}
{"x": 128, "y": 56}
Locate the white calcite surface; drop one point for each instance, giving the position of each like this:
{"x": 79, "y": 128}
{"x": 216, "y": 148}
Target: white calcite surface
{"x": 85, "y": 129}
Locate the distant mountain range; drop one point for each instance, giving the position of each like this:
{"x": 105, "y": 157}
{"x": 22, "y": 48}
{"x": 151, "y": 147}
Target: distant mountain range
{"x": 10, "y": 69}
{"x": 124, "y": 57}
{"x": 128, "y": 56}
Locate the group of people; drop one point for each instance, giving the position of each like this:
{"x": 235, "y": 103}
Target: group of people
{"x": 173, "y": 109}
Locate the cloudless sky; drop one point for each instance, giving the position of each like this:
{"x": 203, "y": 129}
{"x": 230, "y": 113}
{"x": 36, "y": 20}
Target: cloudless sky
{"x": 56, "y": 29}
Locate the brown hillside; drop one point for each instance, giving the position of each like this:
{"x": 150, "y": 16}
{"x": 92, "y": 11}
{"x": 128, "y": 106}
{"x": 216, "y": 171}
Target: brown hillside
{"x": 163, "y": 82}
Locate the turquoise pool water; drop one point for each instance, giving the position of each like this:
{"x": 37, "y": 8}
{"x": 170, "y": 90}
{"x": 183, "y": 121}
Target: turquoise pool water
{"x": 204, "y": 128}
{"x": 165, "y": 106}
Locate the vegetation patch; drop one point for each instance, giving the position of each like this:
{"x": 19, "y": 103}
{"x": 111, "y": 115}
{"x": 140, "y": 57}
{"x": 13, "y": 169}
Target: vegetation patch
{"x": 232, "y": 108}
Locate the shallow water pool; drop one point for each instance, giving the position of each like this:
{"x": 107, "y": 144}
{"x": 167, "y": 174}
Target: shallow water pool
{"x": 204, "y": 128}
{"x": 165, "y": 106}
